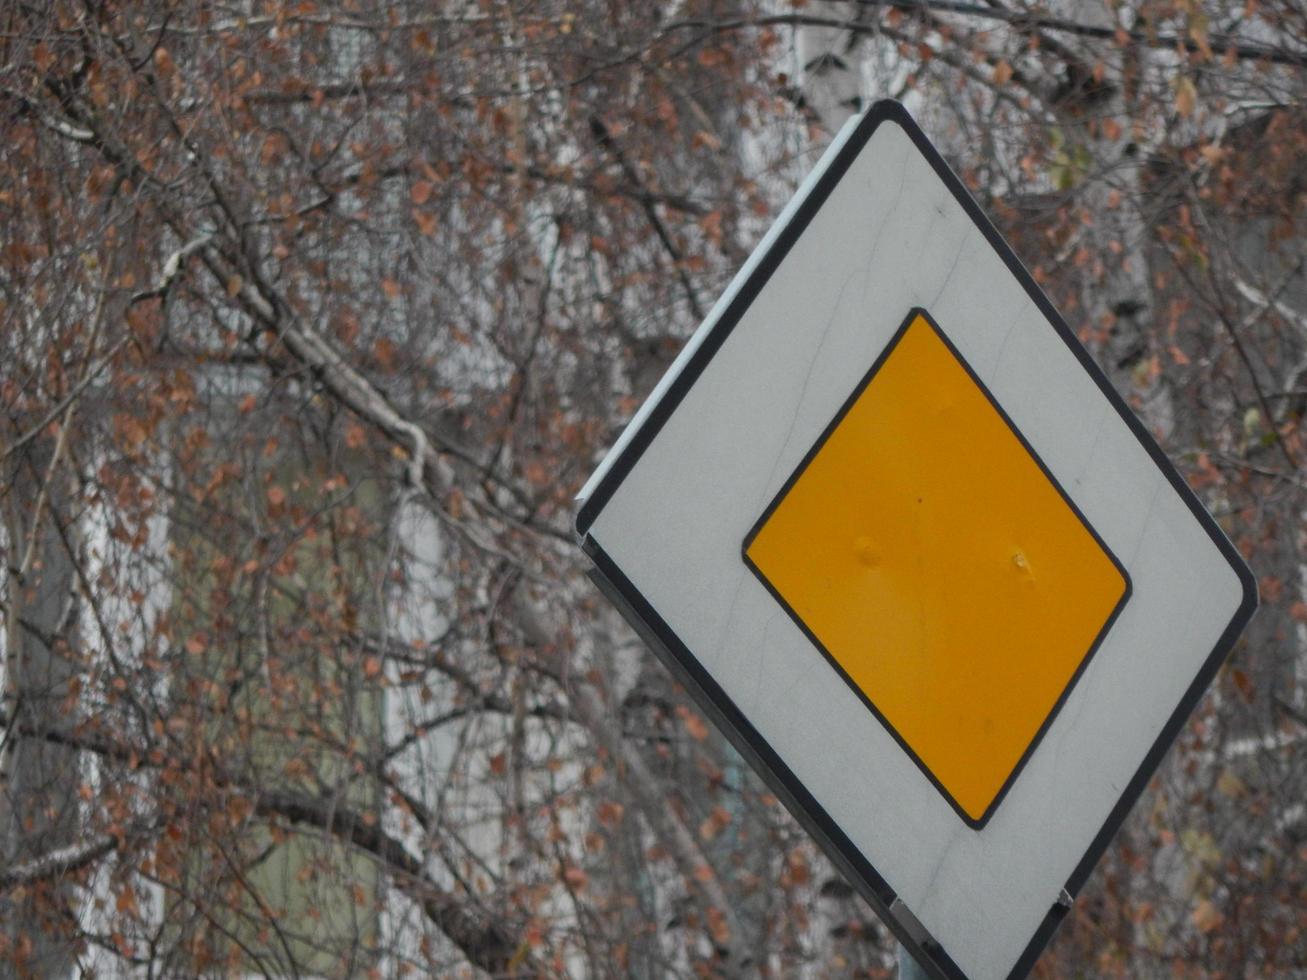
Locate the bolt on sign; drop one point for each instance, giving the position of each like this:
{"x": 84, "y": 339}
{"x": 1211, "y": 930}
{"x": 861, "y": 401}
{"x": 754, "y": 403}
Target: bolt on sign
{"x": 895, "y": 531}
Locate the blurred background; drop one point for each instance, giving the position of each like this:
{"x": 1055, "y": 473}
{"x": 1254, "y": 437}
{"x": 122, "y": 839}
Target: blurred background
{"x": 313, "y": 318}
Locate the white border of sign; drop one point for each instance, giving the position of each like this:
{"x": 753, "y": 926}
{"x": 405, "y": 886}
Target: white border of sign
{"x": 880, "y": 227}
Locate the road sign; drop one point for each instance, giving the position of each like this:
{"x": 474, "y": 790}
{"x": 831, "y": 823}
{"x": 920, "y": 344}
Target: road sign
{"x": 899, "y": 536}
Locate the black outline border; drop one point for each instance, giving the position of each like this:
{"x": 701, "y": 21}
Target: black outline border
{"x": 682, "y": 662}
{"x": 975, "y": 823}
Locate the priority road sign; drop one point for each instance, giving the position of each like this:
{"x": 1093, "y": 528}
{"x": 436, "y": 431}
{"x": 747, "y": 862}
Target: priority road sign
{"x": 899, "y": 536}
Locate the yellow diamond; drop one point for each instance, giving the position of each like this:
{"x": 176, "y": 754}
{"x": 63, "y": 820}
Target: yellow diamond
{"x": 927, "y": 552}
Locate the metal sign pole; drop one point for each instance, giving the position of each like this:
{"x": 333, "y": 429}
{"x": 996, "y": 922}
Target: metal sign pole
{"x": 909, "y": 969}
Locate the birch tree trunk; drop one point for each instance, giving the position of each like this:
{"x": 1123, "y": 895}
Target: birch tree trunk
{"x": 38, "y": 778}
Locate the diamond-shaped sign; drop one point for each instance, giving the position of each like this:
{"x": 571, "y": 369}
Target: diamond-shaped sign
{"x": 923, "y": 547}
{"x": 896, "y": 532}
